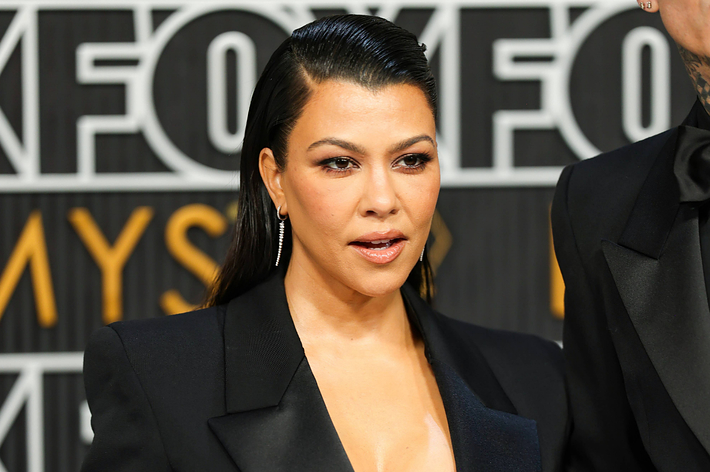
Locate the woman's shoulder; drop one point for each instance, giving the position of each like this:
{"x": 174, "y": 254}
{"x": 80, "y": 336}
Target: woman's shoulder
{"x": 530, "y": 369}
{"x": 154, "y": 343}
{"x": 193, "y": 324}
{"x": 507, "y": 348}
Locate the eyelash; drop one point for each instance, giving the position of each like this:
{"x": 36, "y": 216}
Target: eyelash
{"x": 423, "y": 159}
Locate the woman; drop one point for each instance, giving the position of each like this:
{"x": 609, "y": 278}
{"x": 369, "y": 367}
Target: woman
{"x": 315, "y": 352}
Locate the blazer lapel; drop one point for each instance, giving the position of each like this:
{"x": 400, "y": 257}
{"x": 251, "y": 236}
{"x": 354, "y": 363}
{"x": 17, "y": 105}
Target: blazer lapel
{"x": 657, "y": 269}
{"x": 276, "y": 418}
{"x": 483, "y": 438}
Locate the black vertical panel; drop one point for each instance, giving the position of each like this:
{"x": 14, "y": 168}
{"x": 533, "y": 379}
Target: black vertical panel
{"x": 62, "y": 99}
{"x": 497, "y": 271}
{"x": 481, "y": 93}
{"x": 11, "y": 92}
{"x": 597, "y": 73}
{"x": 180, "y": 89}
{"x": 13, "y": 449}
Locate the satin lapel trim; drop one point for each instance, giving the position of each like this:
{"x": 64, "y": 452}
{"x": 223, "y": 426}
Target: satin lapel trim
{"x": 295, "y": 436}
{"x": 668, "y": 306}
{"x": 276, "y": 419}
{"x": 483, "y": 439}
{"x": 656, "y": 207}
{"x": 464, "y": 357}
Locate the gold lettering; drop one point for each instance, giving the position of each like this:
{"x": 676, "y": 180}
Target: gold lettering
{"x": 557, "y": 284}
{"x": 442, "y": 241}
{"x": 196, "y": 261}
{"x": 31, "y": 248}
{"x": 111, "y": 260}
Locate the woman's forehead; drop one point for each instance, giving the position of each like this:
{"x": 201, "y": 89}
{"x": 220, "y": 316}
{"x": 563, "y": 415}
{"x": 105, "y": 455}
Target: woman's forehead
{"x": 337, "y": 109}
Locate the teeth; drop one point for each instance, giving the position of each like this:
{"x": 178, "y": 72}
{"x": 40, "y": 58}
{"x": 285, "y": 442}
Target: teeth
{"x": 379, "y": 245}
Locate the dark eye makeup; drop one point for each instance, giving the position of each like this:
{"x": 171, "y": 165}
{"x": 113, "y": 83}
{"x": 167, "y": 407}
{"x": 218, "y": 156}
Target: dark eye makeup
{"x": 409, "y": 163}
{"x": 413, "y": 162}
{"x": 339, "y": 164}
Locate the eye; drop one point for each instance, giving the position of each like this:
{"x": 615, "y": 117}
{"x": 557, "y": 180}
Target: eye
{"x": 339, "y": 164}
{"x": 413, "y": 161}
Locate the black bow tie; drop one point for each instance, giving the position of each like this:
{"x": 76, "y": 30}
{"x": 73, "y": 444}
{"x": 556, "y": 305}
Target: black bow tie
{"x": 692, "y": 164}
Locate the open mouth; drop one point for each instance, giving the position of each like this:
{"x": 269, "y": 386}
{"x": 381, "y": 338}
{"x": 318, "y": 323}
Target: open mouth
{"x": 380, "y": 248}
{"x": 380, "y": 245}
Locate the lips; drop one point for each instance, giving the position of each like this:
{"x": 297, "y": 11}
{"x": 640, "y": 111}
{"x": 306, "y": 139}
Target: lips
{"x": 380, "y": 247}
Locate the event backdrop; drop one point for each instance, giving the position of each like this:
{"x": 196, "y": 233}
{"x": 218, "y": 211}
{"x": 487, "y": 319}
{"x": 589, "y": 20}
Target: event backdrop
{"x": 120, "y": 128}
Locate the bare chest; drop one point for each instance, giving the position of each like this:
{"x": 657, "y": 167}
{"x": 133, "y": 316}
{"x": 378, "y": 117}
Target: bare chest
{"x": 388, "y": 414}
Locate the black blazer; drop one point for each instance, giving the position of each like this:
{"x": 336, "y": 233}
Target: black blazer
{"x": 637, "y": 322}
{"x": 228, "y": 388}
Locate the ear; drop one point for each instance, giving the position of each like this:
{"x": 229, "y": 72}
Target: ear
{"x": 271, "y": 175}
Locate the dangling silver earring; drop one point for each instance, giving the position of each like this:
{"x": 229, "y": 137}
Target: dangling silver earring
{"x": 281, "y": 233}
{"x": 421, "y": 256}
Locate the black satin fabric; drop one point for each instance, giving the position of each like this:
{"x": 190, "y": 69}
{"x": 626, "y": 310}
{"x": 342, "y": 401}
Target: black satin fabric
{"x": 692, "y": 156}
{"x": 692, "y": 171}
{"x": 692, "y": 164}
{"x": 703, "y": 123}
{"x": 703, "y": 216}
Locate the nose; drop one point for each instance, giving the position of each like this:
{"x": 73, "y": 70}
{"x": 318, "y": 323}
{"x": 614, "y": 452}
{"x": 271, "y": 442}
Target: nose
{"x": 379, "y": 196}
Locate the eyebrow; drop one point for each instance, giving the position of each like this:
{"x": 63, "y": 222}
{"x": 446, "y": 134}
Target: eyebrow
{"x": 357, "y": 149}
{"x": 411, "y": 142}
{"x": 338, "y": 142}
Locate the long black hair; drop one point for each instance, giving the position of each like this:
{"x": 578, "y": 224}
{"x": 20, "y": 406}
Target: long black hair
{"x": 365, "y": 50}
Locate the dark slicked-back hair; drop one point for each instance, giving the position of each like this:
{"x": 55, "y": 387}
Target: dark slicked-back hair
{"x": 364, "y": 50}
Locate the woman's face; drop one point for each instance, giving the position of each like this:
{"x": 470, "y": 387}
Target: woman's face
{"x": 360, "y": 185}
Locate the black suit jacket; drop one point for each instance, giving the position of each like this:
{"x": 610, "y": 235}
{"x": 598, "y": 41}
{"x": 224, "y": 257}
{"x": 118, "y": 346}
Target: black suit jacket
{"x": 637, "y": 322}
{"x": 229, "y": 388}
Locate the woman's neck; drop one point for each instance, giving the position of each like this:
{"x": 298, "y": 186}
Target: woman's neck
{"x": 325, "y": 310}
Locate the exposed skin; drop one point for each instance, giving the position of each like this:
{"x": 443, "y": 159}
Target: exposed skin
{"x": 688, "y": 23}
{"x": 369, "y": 363}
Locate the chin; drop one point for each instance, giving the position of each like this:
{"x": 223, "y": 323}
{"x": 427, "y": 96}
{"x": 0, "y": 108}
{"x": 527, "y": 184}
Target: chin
{"x": 379, "y": 285}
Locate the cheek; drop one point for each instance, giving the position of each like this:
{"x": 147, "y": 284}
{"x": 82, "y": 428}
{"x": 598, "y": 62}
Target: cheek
{"x": 421, "y": 201}
{"x": 320, "y": 209}
{"x": 430, "y": 196}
